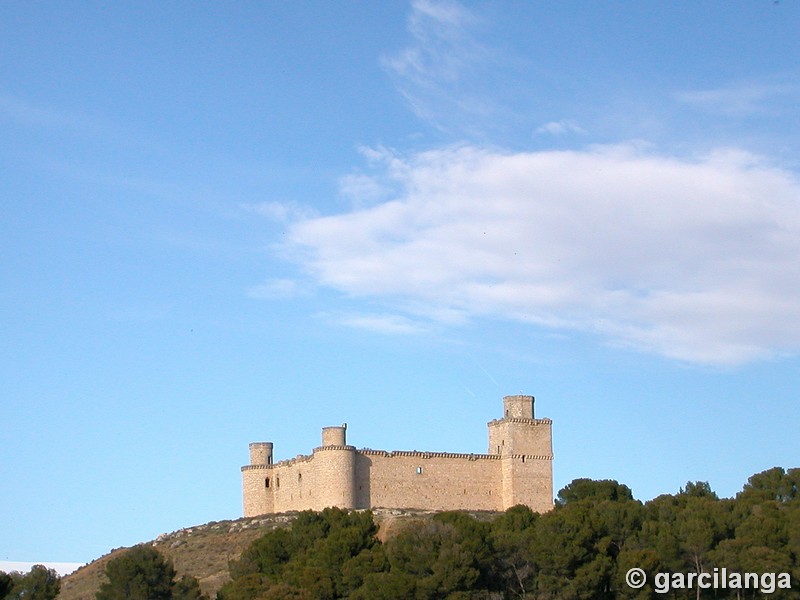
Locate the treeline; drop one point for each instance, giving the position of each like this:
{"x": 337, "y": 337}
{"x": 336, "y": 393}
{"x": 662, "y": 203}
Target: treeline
{"x": 40, "y": 583}
{"x": 582, "y": 549}
{"x": 141, "y": 573}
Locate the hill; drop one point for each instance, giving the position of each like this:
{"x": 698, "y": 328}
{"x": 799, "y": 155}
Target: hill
{"x": 204, "y": 551}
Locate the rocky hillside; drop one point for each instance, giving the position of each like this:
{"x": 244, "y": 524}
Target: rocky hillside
{"x": 204, "y": 551}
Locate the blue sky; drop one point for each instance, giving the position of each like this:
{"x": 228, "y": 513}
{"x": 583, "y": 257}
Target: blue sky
{"x": 235, "y": 222}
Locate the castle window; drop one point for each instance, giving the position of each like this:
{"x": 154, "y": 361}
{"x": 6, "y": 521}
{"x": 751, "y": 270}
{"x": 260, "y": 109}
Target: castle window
{"x": 266, "y": 482}
{"x": 299, "y": 477}
{"x": 277, "y": 482}
{"x": 419, "y": 470}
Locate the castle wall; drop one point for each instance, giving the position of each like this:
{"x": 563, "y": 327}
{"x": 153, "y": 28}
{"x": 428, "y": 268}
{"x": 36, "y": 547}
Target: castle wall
{"x": 517, "y": 470}
{"x": 434, "y": 481}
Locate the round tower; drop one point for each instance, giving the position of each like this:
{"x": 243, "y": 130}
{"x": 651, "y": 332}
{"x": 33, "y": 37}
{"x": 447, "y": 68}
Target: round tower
{"x": 334, "y": 436}
{"x": 261, "y": 453}
{"x": 335, "y": 469}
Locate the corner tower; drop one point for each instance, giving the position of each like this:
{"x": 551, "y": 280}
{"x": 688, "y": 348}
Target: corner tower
{"x": 257, "y": 484}
{"x": 524, "y": 445}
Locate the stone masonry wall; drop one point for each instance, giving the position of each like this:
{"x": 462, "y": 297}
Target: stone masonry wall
{"x": 517, "y": 470}
{"x": 434, "y": 481}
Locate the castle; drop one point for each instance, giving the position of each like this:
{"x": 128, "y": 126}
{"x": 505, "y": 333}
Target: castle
{"x": 516, "y": 470}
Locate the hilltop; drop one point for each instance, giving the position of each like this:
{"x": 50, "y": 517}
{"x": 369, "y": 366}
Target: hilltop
{"x": 204, "y": 551}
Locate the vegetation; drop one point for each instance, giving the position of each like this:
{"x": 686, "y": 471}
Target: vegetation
{"x": 142, "y": 573}
{"x": 40, "y": 583}
{"x": 580, "y": 550}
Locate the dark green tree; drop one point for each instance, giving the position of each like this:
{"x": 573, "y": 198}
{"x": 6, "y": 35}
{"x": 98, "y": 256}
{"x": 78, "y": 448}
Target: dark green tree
{"x": 511, "y": 537}
{"x": 142, "y": 573}
{"x": 698, "y": 489}
{"x": 582, "y": 489}
{"x": 40, "y": 583}
{"x": 187, "y": 588}
{"x": 772, "y": 484}
{"x": 6, "y": 583}
{"x": 324, "y": 555}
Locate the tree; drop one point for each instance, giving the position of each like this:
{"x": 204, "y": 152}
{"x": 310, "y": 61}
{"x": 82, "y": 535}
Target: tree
{"x": 6, "y": 583}
{"x": 142, "y": 573}
{"x": 511, "y": 538}
{"x": 698, "y": 489}
{"x": 772, "y": 484}
{"x": 604, "y": 489}
{"x": 186, "y": 588}
{"x": 40, "y": 583}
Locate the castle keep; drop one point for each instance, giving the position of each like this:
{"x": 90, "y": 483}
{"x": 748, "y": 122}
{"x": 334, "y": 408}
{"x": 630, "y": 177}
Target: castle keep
{"x": 516, "y": 470}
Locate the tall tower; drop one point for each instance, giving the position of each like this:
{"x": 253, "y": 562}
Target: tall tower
{"x": 336, "y": 466}
{"x": 525, "y": 447}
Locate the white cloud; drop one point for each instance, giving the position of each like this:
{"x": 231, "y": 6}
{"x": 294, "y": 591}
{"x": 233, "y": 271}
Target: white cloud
{"x": 362, "y": 189}
{"x": 693, "y": 259}
{"x": 562, "y": 127}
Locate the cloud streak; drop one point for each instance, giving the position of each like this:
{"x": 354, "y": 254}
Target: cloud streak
{"x": 436, "y": 73}
{"x": 696, "y": 259}
{"x": 735, "y": 101}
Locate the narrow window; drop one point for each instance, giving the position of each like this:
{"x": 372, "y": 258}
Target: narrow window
{"x": 266, "y": 482}
{"x": 277, "y": 482}
{"x": 419, "y": 470}
{"x": 523, "y": 459}
{"x": 299, "y": 477}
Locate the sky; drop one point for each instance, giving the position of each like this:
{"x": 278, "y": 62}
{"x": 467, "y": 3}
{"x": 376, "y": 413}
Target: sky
{"x": 235, "y": 222}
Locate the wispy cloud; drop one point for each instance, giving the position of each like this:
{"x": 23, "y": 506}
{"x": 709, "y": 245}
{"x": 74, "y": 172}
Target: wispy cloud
{"x": 33, "y": 115}
{"x": 279, "y": 211}
{"x": 389, "y": 324}
{"x": 436, "y": 72}
{"x": 277, "y": 289}
{"x": 734, "y": 101}
{"x": 562, "y": 127}
{"x": 692, "y": 259}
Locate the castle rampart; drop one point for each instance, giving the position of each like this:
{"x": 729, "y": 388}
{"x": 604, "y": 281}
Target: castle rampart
{"x": 516, "y": 470}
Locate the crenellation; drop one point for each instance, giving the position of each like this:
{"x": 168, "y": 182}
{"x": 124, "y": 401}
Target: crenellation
{"x": 516, "y": 470}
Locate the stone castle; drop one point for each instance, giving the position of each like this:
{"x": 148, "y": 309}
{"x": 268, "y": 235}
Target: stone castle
{"x": 516, "y": 470}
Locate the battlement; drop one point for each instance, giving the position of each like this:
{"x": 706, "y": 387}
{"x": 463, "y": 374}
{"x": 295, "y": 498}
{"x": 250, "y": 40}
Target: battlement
{"x": 332, "y": 447}
{"x": 516, "y": 470}
{"x": 425, "y": 455}
{"x": 520, "y": 420}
